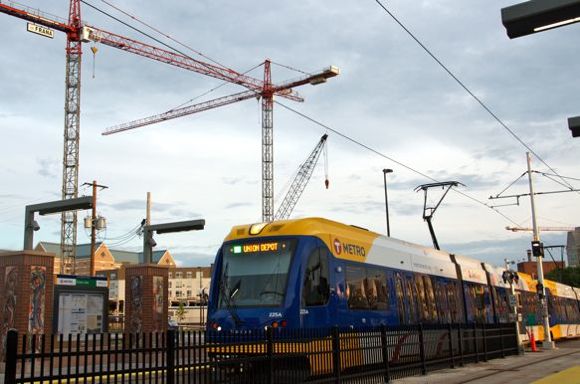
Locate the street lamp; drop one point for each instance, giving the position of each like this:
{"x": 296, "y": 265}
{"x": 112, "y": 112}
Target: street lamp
{"x": 385, "y": 171}
{"x": 539, "y": 15}
{"x": 574, "y": 125}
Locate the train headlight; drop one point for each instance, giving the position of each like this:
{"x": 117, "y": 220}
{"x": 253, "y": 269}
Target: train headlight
{"x": 255, "y": 229}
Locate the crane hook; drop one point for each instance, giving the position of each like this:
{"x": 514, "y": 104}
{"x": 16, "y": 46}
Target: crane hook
{"x": 94, "y": 49}
{"x": 326, "y": 181}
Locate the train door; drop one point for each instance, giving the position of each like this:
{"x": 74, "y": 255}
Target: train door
{"x": 317, "y": 305}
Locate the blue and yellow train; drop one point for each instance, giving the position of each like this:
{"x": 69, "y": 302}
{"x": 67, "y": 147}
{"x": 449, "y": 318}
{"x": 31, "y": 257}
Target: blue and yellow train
{"x": 313, "y": 272}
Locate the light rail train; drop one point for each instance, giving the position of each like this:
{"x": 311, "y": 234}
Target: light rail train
{"x": 313, "y": 273}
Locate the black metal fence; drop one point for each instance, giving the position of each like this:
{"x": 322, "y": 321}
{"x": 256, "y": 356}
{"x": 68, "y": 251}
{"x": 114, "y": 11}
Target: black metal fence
{"x": 368, "y": 355}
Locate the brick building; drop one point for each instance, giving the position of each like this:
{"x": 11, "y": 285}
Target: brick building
{"x": 530, "y": 267}
{"x": 105, "y": 258}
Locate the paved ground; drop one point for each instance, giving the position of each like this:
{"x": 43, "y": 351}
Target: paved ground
{"x": 559, "y": 366}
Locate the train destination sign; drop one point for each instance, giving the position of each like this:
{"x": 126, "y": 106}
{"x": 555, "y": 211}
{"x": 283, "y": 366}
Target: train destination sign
{"x": 40, "y": 30}
{"x": 271, "y": 246}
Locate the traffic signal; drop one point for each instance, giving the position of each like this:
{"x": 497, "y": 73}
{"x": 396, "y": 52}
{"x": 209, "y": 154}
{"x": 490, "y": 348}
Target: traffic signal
{"x": 537, "y": 248}
{"x": 540, "y": 289}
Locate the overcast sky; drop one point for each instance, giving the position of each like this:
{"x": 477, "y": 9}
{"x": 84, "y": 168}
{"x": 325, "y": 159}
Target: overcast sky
{"x": 390, "y": 96}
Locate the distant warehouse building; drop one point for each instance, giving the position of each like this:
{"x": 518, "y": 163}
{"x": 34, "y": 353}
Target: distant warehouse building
{"x": 573, "y": 248}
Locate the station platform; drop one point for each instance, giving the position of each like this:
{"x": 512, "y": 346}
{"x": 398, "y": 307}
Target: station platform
{"x": 557, "y": 366}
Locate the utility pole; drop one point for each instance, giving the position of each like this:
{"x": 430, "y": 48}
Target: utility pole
{"x": 538, "y": 252}
{"x": 148, "y": 214}
{"x": 94, "y": 225}
{"x": 200, "y": 297}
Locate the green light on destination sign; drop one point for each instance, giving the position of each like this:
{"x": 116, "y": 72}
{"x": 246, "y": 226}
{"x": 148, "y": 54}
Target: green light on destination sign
{"x": 237, "y": 249}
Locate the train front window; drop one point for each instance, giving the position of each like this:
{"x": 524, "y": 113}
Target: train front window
{"x": 255, "y": 274}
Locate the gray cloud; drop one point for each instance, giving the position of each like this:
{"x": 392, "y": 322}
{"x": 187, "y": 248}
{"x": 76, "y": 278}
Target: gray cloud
{"x": 238, "y": 205}
{"x": 177, "y": 212}
{"x": 129, "y": 205}
{"x": 48, "y": 167}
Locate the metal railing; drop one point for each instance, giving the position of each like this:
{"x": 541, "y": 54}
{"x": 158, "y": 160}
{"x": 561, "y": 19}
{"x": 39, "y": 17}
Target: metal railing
{"x": 329, "y": 355}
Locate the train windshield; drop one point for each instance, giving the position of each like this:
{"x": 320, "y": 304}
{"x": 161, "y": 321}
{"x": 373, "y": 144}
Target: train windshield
{"x": 255, "y": 274}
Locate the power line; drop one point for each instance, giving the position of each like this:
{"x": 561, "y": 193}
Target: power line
{"x": 376, "y": 152}
{"x": 477, "y": 99}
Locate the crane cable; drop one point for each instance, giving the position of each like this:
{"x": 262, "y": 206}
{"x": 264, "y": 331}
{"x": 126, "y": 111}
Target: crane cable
{"x": 477, "y": 99}
{"x": 325, "y": 149}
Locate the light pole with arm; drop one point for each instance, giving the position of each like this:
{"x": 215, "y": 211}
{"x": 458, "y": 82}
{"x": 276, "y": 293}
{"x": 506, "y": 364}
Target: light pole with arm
{"x": 385, "y": 171}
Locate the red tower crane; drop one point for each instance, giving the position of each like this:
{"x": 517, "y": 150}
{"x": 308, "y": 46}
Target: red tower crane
{"x": 77, "y": 32}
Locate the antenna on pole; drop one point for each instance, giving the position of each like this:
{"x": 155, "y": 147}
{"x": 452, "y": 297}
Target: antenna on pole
{"x": 428, "y": 212}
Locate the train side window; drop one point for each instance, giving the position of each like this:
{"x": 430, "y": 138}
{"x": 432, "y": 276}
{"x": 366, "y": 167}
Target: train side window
{"x": 424, "y": 313}
{"x": 400, "y": 300}
{"x": 453, "y": 302}
{"x": 441, "y": 301}
{"x": 412, "y": 297}
{"x": 316, "y": 290}
{"x": 377, "y": 292}
{"x": 430, "y": 297}
{"x": 355, "y": 283}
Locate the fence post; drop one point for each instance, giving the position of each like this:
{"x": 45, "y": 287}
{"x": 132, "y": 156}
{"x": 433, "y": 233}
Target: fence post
{"x": 422, "y": 350}
{"x": 384, "y": 344}
{"x": 270, "y": 353}
{"x": 10, "y": 354}
{"x": 170, "y": 354}
{"x": 336, "y": 354}
{"x": 450, "y": 334}
{"x": 460, "y": 344}
{"x": 484, "y": 343}
{"x": 475, "y": 342}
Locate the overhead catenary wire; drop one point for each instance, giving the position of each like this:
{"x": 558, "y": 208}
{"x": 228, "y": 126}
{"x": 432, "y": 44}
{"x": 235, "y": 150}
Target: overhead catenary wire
{"x": 512, "y": 183}
{"x": 376, "y": 152}
{"x": 477, "y": 99}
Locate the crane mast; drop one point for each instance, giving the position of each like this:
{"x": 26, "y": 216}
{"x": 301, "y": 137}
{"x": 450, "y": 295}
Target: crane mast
{"x": 300, "y": 181}
{"x": 72, "y": 108}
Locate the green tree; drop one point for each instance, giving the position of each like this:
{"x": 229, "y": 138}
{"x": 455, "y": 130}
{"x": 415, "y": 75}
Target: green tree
{"x": 180, "y": 313}
{"x": 570, "y": 276}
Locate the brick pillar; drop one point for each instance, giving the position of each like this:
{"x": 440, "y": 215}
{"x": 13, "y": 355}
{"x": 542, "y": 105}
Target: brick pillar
{"x": 146, "y": 297}
{"x": 26, "y": 293}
